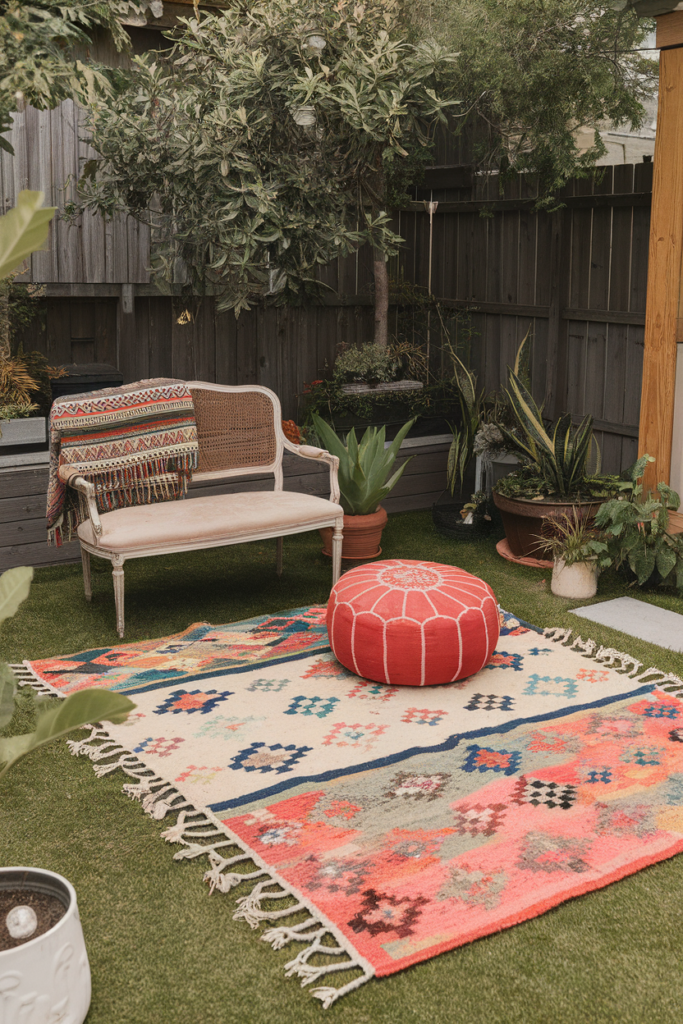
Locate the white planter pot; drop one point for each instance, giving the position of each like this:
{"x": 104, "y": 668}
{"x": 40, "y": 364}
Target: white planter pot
{"x": 46, "y": 980}
{"x": 576, "y": 581}
{"x": 27, "y": 430}
{"x": 488, "y": 472}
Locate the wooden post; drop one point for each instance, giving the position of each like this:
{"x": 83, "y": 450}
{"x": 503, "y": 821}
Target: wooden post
{"x": 663, "y": 323}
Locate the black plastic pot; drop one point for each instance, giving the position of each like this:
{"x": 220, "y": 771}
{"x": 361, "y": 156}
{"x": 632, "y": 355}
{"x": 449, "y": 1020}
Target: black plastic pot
{"x": 448, "y": 522}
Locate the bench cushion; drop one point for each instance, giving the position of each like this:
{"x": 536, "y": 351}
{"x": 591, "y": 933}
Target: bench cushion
{"x": 221, "y": 517}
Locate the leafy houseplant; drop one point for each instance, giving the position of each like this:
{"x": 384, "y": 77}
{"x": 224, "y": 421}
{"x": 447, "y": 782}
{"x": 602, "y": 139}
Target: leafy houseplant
{"x": 364, "y": 467}
{"x": 30, "y": 945}
{"x": 636, "y": 530}
{"x": 578, "y": 552}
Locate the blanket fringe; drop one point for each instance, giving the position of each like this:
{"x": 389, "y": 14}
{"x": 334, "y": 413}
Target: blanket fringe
{"x": 617, "y": 660}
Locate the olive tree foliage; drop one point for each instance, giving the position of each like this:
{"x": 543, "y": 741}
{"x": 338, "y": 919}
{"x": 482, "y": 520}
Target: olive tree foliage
{"x": 39, "y": 42}
{"x": 258, "y": 146}
{"x": 535, "y": 71}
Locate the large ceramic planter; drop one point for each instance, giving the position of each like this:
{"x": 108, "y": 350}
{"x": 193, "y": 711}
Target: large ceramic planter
{"x": 577, "y": 582}
{"x": 46, "y": 979}
{"x": 523, "y": 520}
{"x": 362, "y": 536}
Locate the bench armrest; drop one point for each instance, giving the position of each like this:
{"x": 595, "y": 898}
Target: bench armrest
{"x": 71, "y": 477}
{"x": 307, "y": 451}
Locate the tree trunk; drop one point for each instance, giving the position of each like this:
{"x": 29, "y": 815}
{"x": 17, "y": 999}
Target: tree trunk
{"x": 381, "y": 299}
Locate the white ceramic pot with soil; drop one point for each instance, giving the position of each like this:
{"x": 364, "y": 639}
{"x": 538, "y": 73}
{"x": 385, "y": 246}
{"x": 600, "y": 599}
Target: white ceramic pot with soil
{"x": 44, "y": 969}
{"x": 576, "y": 581}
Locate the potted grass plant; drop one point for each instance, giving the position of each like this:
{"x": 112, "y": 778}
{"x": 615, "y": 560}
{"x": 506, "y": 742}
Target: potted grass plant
{"x": 44, "y": 970}
{"x": 554, "y": 479}
{"x": 579, "y": 552}
{"x": 364, "y": 482}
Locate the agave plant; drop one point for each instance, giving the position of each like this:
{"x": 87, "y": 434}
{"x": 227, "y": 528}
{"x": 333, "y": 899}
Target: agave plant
{"x": 363, "y": 465}
{"x": 560, "y": 452}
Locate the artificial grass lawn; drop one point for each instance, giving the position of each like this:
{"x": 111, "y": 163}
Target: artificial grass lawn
{"x": 163, "y": 952}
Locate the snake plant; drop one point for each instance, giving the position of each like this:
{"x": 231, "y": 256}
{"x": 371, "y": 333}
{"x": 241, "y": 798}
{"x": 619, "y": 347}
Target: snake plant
{"x": 559, "y": 453}
{"x": 471, "y": 409}
{"x": 363, "y": 465}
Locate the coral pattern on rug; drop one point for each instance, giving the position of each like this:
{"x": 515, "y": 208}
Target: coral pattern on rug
{"x": 406, "y": 821}
{"x": 423, "y": 863}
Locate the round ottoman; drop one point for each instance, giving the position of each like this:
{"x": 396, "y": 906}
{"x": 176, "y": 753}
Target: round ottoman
{"x": 412, "y": 623}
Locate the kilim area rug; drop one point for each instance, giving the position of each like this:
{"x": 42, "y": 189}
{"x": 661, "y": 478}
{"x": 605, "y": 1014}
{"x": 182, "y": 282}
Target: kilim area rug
{"x": 378, "y": 826}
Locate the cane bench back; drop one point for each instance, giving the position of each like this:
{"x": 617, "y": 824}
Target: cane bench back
{"x": 239, "y": 429}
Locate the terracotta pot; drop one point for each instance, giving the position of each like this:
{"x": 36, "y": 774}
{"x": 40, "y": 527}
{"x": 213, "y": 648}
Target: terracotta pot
{"x": 362, "y": 536}
{"x": 577, "y": 581}
{"x": 522, "y": 520}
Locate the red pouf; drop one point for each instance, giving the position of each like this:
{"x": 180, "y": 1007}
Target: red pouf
{"x": 412, "y": 623}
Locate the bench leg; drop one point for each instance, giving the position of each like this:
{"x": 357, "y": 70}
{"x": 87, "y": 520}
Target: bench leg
{"x": 85, "y": 560}
{"x": 117, "y": 573}
{"x": 337, "y": 538}
{"x": 279, "y": 556}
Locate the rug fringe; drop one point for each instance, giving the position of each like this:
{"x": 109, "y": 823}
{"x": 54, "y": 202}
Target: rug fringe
{"x": 617, "y": 660}
{"x": 159, "y": 797}
{"x": 27, "y": 677}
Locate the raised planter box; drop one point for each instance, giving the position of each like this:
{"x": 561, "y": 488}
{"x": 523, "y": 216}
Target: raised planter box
{"x": 27, "y": 430}
{"x": 23, "y": 442}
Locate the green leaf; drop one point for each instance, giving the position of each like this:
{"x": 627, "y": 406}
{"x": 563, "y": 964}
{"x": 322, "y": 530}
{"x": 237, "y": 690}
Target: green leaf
{"x": 82, "y": 708}
{"x": 23, "y": 230}
{"x": 666, "y": 561}
{"x": 15, "y": 585}
{"x": 8, "y": 688}
{"x": 642, "y": 562}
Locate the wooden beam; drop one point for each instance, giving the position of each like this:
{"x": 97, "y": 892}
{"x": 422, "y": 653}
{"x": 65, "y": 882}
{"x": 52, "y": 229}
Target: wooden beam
{"x": 670, "y": 29}
{"x": 664, "y": 271}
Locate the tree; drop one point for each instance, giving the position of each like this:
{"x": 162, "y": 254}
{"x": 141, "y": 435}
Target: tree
{"x": 259, "y": 145}
{"x": 38, "y": 44}
{"x": 534, "y": 71}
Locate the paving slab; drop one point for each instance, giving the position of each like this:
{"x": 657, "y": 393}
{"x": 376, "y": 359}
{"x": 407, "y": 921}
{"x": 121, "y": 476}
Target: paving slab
{"x": 637, "y": 618}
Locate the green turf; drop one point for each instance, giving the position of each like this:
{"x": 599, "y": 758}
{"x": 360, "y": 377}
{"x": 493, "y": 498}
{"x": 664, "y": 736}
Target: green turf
{"x": 163, "y": 952}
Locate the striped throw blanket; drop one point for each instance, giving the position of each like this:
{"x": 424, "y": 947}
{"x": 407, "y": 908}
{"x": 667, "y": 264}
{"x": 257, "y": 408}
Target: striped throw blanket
{"x": 137, "y": 444}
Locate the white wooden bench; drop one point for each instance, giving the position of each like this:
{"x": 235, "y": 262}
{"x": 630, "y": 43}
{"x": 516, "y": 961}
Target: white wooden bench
{"x": 240, "y": 433}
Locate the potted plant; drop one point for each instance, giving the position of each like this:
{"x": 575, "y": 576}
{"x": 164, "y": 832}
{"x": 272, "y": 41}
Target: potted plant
{"x": 578, "y": 554}
{"x": 480, "y": 435}
{"x": 363, "y": 470}
{"x": 44, "y": 970}
{"x": 636, "y": 530}
{"x": 553, "y": 479}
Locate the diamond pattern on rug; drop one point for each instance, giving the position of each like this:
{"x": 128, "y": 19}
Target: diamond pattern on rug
{"x": 490, "y": 702}
{"x": 486, "y": 759}
{"x": 184, "y": 701}
{"x": 547, "y": 794}
{"x": 479, "y": 820}
{"x": 258, "y": 757}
